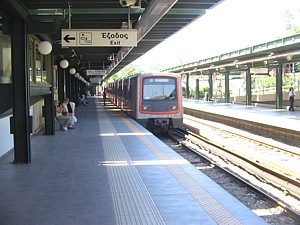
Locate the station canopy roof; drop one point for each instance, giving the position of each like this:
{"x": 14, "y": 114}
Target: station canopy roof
{"x": 153, "y": 20}
{"x": 267, "y": 55}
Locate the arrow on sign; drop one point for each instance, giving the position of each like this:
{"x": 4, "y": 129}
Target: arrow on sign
{"x": 67, "y": 38}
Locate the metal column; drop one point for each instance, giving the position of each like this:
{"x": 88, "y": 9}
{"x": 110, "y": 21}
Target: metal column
{"x": 187, "y": 88}
{"x": 21, "y": 122}
{"x": 72, "y": 88}
{"x": 49, "y": 114}
{"x": 82, "y": 88}
{"x": 248, "y": 87}
{"x": 210, "y": 82}
{"x": 61, "y": 84}
{"x": 227, "y": 92}
{"x": 279, "y": 87}
{"x": 68, "y": 84}
{"x": 197, "y": 89}
{"x": 76, "y": 90}
{"x": 49, "y": 108}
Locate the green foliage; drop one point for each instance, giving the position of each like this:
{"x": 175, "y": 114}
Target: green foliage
{"x": 130, "y": 70}
{"x": 191, "y": 93}
{"x": 202, "y": 92}
{"x": 264, "y": 82}
{"x": 290, "y": 80}
{"x": 270, "y": 82}
{"x": 292, "y": 24}
{"x": 295, "y": 29}
{"x": 125, "y": 72}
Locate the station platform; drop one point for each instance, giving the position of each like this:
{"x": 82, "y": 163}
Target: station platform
{"x": 111, "y": 171}
{"x": 280, "y": 124}
{"x": 264, "y": 115}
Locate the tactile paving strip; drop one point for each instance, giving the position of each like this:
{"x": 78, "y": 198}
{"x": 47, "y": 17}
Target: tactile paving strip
{"x": 132, "y": 202}
{"x": 217, "y": 212}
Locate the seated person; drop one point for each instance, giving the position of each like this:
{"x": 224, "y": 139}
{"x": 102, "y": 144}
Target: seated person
{"x": 65, "y": 110}
{"x": 63, "y": 120}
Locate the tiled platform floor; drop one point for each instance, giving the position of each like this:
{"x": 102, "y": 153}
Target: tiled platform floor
{"x": 111, "y": 171}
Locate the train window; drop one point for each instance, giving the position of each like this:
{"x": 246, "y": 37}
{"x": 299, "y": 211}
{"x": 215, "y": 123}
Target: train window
{"x": 159, "y": 88}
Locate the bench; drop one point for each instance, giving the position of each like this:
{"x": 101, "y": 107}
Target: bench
{"x": 58, "y": 125}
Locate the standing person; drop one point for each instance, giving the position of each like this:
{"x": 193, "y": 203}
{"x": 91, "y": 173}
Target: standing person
{"x": 104, "y": 96}
{"x": 292, "y": 95}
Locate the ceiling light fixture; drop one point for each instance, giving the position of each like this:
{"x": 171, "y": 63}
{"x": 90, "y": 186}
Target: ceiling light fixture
{"x": 127, "y": 3}
{"x": 45, "y": 47}
{"x": 72, "y": 71}
{"x": 64, "y": 63}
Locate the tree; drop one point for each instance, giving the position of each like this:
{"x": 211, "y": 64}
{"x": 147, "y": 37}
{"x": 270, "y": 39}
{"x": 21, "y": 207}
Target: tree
{"x": 125, "y": 72}
{"x": 292, "y": 18}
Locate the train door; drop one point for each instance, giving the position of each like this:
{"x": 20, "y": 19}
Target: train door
{"x": 133, "y": 96}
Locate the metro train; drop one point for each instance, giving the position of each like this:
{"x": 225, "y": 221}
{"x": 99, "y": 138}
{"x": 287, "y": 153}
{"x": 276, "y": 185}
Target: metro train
{"x": 152, "y": 99}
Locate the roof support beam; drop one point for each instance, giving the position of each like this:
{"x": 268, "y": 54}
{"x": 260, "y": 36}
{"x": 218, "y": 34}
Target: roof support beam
{"x": 17, "y": 7}
{"x": 154, "y": 12}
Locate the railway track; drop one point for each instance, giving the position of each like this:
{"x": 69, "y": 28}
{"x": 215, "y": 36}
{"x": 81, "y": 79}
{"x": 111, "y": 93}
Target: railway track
{"x": 280, "y": 161}
{"x": 277, "y": 133}
{"x": 270, "y": 166}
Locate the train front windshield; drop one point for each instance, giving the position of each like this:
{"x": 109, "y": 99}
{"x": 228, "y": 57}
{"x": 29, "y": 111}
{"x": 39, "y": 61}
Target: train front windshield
{"x": 159, "y": 88}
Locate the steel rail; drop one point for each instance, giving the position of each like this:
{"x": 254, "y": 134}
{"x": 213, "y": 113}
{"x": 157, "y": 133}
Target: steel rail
{"x": 260, "y": 172}
{"x": 248, "y": 138}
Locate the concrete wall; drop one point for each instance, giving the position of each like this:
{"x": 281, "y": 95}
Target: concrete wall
{"x": 269, "y": 99}
{"x": 6, "y": 139}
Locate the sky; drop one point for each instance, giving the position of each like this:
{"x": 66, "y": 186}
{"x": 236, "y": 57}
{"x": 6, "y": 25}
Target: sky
{"x": 231, "y": 25}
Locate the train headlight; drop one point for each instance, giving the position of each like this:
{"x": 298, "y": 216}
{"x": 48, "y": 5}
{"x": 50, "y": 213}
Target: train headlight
{"x": 172, "y": 107}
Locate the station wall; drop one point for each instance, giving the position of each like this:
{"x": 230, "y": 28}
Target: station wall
{"x": 6, "y": 139}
